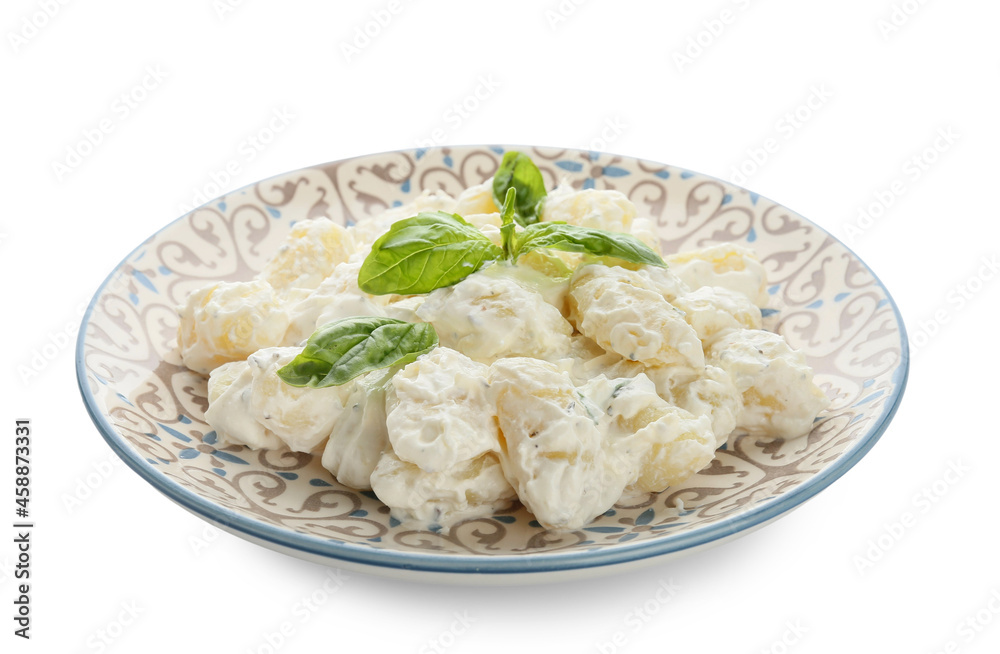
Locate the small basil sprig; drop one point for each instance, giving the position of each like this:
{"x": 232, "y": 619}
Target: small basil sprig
{"x": 344, "y": 349}
{"x": 517, "y": 171}
{"x": 431, "y": 250}
{"x": 435, "y": 249}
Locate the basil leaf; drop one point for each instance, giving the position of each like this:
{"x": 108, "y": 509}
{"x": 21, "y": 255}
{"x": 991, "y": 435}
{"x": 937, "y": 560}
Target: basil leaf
{"x": 519, "y": 172}
{"x": 597, "y": 242}
{"x": 428, "y": 251}
{"x": 344, "y": 349}
{"x": 507, "y": 223}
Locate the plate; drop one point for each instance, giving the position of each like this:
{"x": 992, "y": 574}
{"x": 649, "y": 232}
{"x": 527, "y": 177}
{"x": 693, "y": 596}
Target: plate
{"x": 150, "y": 408}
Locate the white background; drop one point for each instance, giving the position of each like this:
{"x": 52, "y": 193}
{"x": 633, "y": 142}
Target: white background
{"x": 843, "y": 572}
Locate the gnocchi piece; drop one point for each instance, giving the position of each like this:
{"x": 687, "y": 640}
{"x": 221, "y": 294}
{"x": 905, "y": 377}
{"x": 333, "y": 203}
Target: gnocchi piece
{"x": 728, "y": 265}
{"x": 229, "y": 405}
{"x": 301, "y": 417}
{"x": 438, "y": 411}
{"x": 551, "y": 449}
{"x": 487, "y": 317}
{"x": 624, "y": 313}
{"x": 713, "y": 310}
{"x": 660, "y": 444}
{"x": 309, "y": 254}
{"x": 598, "y": 209}
{"x": 714, "y": 395}
{"x": 477, "y": 199}
{"x": 229, "y": 321}
{"x": 780, "y": 398}
{"x": 469, "y": 489}
{"x": 359, "y": 436}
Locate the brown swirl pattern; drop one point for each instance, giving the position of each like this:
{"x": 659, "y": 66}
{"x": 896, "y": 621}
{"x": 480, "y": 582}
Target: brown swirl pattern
{"x": 826, "y": 303}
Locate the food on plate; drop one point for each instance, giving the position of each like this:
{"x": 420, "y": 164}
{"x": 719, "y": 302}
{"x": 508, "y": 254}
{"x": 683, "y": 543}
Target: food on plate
{"x": 460, "y": 354}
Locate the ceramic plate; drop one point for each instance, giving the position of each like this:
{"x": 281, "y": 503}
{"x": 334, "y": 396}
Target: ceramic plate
{"x": 150, "y": 409}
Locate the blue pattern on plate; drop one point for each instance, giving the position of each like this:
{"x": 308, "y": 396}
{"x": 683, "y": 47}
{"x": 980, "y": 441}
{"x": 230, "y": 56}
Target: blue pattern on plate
{"x": 173, "y": 432}
{"x": 869, "y": 398}
{"x": 604, "y": 530}
{"x": 571, "y": 166}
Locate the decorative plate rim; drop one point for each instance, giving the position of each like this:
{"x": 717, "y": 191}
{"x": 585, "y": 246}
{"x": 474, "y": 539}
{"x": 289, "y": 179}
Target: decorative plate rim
{"x": 537, "y": 563}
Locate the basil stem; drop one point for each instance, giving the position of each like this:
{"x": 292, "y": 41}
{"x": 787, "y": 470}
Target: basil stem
{"x": 507, "y": 224}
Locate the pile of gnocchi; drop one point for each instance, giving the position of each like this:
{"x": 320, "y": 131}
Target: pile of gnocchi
{"x": 562, "y": 380}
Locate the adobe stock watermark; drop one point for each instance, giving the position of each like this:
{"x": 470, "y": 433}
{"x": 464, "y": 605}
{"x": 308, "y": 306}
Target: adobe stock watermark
{"x": 204, "y": 539}
{"x": 460, "y": 111}
{"x": 638, "y": 617}
{"x": 302, "y": 612}
{"x": 57, "y": 340}
{"x": 123, "y": 106}
{"x": 789, "y": 638}
{"x": 223, "y": 8}
{"x": 956, "y": 299}
{"x": 921, "y": 503}
{"x": 707, "y": 35}
{"x": 558, "y": 14}
{"x": 899, "y": 15}
{"x": 219, "y": 180}
{"x": 447, "y": 638}
{"x": 368, "y": 31}
{"x": 85, "y": 485}
{"x": 611, "y": 130}
{"x": 912, "y": 171}
{"x": 32, "y": 24}
{"x": 785, "y": 128}
{"x": 969, "y": 628}
{"x": 104, "y": 637}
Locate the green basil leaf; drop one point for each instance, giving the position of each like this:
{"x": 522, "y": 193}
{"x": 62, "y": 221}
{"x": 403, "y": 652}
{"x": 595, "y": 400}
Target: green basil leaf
{"x": 507, "y": 223}
{"x": 428, "y": 251}
{"x": 597, "y": 242}
{"x": 344, "y": 349}
{"x": 519, "y": 172}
